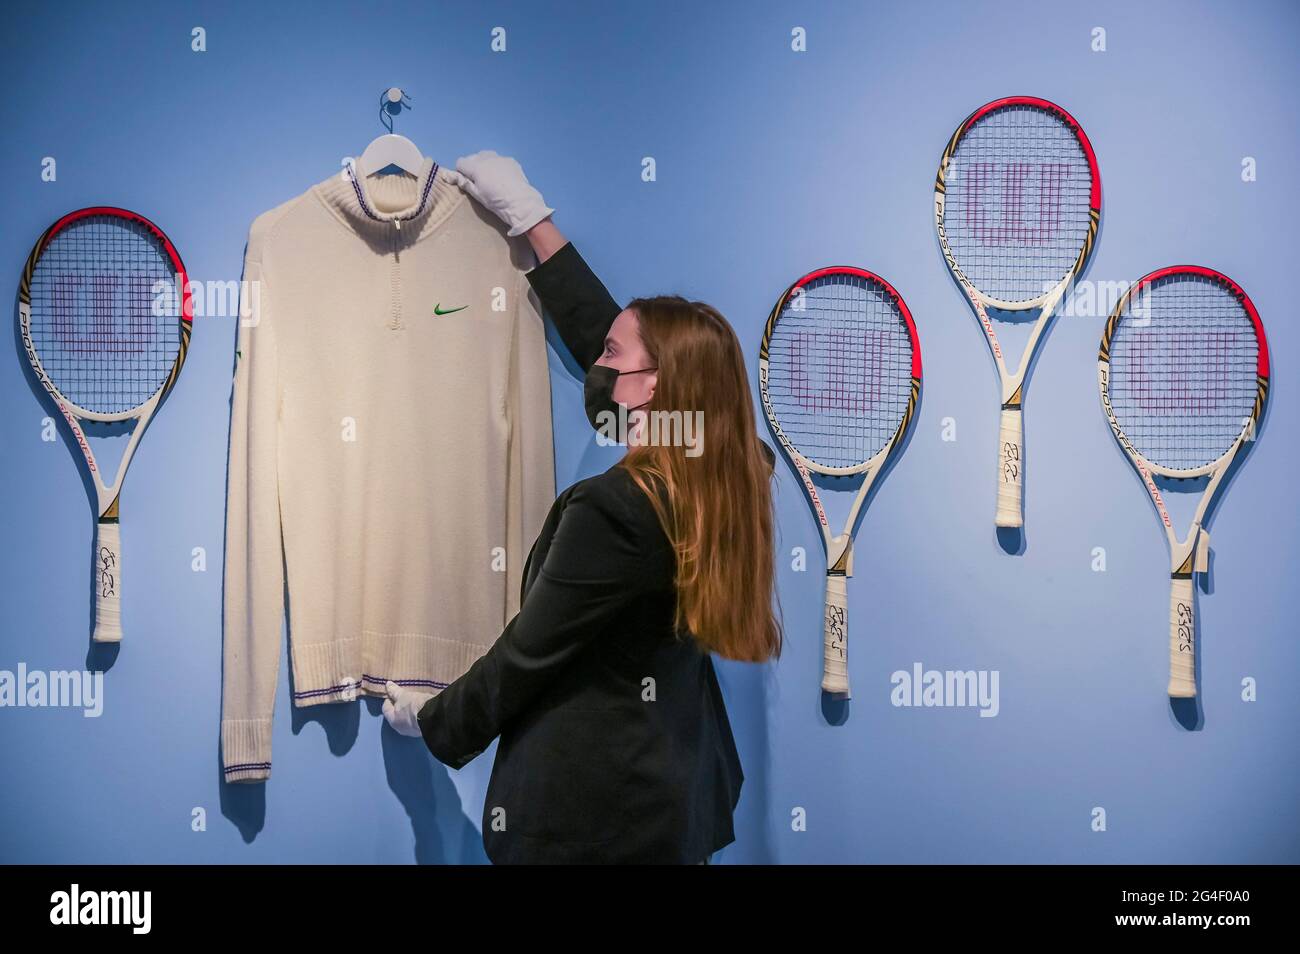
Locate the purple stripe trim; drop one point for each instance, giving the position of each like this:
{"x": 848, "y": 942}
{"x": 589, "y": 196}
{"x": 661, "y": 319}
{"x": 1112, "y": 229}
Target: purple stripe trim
{"x": 309, "y": 693}
{"x": 365, "y": 207}
{"x": 242, "y": 766}
{"x": 424, "y": 196}
{"x": 379, "y": 680}
{"x": 361, "y": 198}
{"x": 408, "y": 682}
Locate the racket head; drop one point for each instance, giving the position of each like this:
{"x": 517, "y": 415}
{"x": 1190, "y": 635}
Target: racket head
{"x": 1183, "y": 370}
{"x": 839, "y": 369}
{"x": 105, "y": 312}
{"x": 1017, "y": 201}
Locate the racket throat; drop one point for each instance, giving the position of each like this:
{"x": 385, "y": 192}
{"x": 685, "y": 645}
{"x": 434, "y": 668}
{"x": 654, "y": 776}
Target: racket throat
{"x": 839, "y": 555}
{"x": 1192, "y": 556}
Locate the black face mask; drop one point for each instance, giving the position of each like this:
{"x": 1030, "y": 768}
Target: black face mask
{"x": 598, "y": 391}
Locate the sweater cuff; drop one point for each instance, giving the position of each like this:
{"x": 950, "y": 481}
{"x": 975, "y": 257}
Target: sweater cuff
{"x": 246, "y": 750}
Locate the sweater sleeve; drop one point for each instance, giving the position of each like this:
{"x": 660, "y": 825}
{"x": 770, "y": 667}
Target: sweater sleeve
{"x": 578, "y": 303}
{"x": 254, "y": 564}
{"x": 531, "y": 456}
{"x": 594, "y": 568}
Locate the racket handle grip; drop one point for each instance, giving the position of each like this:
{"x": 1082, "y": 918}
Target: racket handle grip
{"x": 108, "y": 582}
{"x": 1010, "y": 510}
{"x": 1182, "y": 639}
{"x": 835, "y": 670}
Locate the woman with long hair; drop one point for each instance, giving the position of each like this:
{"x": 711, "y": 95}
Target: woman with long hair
{"x": 614, "y": 740}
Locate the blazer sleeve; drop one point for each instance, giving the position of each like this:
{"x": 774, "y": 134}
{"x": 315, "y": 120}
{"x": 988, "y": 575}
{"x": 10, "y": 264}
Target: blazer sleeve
{"x": 594, "y": 568}
{"x": 580, "y": 306}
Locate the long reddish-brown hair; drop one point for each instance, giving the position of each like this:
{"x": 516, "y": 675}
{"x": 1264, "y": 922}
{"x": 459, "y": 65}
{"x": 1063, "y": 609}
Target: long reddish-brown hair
{"x": 719, "y": 515}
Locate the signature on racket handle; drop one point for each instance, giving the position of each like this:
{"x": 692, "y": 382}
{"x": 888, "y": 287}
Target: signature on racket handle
{"x": 1010, "y": 511}
{"x": 835, "y": 671}
{"x": 108, "y": 582}
{"x": 1182, "y": 639}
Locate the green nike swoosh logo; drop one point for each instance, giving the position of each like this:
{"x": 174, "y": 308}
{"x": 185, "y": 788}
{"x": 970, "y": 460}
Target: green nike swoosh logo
{"x": 438, "y": 310}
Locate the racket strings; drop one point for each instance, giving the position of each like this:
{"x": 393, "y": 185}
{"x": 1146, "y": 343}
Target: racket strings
{"x": 840, "y": 370}
{"x": 105, "y": 313}
{"x": 1018, "y": 193}
{"x": 1183, "y": 367}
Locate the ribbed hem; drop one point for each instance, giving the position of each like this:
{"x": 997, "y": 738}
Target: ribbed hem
{"x": 326, "y": 672}
{"x": 345, "y": 669}
{"x": 246, "y": 749}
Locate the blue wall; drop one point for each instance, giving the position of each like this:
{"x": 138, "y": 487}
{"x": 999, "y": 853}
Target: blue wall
{"x": 770, "y": 163}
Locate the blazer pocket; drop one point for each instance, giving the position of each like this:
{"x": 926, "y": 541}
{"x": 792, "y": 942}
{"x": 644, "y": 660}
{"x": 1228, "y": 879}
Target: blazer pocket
{"x": 565, "y": 777}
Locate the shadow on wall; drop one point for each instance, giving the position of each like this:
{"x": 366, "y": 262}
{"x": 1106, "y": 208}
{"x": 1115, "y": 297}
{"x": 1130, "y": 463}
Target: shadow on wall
{"x": 443, "y": 834}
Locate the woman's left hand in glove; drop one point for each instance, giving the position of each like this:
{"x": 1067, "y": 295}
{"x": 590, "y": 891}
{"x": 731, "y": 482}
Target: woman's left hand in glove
{"x": 402, "y": 708}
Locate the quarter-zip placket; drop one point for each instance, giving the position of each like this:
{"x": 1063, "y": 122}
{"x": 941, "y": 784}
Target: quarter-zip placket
{"x": 429, "y": 176}
{"x": 395, "y": 279}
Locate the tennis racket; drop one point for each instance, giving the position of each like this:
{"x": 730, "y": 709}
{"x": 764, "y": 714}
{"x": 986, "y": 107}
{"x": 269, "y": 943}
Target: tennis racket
{"x": 1017, "y": 204}
{"x": 1183, "y": 371}
{"x": 839, "y": 372}
{"x": 105, "y": 315}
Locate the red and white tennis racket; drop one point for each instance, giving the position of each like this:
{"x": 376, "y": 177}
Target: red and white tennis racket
{"x": 105, "y": 316}
{"x": 1017, "y": 203}
{"x": 839, "y": 372}
{"x": 1183, "y": 371}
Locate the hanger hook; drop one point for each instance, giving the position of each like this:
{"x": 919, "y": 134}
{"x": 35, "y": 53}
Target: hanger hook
{"x": 391, "y": 102}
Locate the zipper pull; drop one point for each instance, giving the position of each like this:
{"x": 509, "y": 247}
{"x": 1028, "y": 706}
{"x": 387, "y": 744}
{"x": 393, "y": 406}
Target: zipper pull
{"x": 398, "y": 223}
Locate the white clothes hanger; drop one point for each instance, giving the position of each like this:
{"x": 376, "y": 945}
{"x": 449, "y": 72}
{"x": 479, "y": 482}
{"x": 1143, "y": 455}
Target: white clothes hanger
{"x": 391, "y": 149}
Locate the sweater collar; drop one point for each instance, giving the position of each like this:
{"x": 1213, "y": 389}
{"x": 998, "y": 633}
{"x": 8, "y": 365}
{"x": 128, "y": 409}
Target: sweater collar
{"x": 382, "y": 203}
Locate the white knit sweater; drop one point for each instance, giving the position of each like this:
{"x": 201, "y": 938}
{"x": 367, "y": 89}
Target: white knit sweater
{"x": 390, "y": 447}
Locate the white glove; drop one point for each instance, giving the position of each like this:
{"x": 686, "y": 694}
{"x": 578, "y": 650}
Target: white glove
{"x": 499, "y": 184}
{"x": 402, "y": 708}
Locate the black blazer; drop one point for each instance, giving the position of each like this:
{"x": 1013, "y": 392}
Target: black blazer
{"x": 615, "y": 743}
